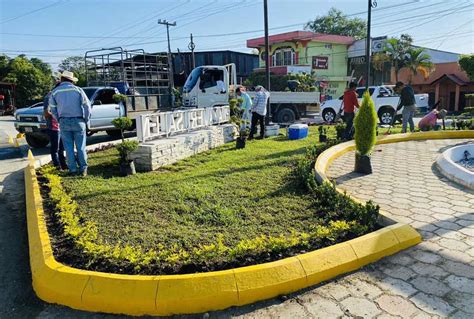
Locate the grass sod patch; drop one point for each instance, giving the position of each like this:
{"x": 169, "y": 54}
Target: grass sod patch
{"x": 216, "y": 210}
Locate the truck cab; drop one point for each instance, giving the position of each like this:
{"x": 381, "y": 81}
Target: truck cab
{"x": 209, "y": 86}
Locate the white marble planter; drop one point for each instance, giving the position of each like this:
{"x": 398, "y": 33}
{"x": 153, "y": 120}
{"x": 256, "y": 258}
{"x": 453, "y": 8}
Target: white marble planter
{"x": 448, "y": 166}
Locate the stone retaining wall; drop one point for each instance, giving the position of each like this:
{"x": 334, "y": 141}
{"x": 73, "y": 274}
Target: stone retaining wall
{"x": 151, "y": 155}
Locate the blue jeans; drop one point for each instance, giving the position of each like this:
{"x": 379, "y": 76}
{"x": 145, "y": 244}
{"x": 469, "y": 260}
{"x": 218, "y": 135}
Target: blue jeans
{"x": 56, "y": 149}
{"x": 73, "y": 132}
{"x": 407, "y": 118}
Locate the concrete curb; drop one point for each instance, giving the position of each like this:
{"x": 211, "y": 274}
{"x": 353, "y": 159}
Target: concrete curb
{"x": 193, "y": 293}
{"x": 446, "y": 165}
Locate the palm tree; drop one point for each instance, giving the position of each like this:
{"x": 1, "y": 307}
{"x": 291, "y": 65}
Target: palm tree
{"x": 396, "y": 50}
{"x": 417, "y": 61}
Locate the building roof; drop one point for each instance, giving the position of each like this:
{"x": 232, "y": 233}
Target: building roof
{"x": 300, "y": 36}
{"x": 452, "y": 77}
{"x": 441, "y": 69}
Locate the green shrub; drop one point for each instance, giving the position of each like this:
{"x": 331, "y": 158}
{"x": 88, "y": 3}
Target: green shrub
{"x": 120, "y": 98}
{"x": 126, "y": 148}
{"x": 469, "y": 110}
{"x": 365, "y": 124}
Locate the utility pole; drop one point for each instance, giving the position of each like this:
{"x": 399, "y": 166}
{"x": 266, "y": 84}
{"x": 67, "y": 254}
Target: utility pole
{"x": 170, "y": 60}
{"x": 368, "y": 43}
{"x": 267, "y": 59}
{"x": 192, "y": 46}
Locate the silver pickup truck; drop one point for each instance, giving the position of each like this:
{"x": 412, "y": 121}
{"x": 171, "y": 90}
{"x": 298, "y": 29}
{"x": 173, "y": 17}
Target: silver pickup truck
{"x": 30, "y": 120}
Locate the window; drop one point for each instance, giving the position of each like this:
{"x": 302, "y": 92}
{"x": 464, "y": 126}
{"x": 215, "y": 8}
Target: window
{"x": 360, "y": 92}
{"x": 209, "y": 78}
{"x": 328, "y": 46}
{"x": 284, "y": 56}
{"x": 106, "y": 96}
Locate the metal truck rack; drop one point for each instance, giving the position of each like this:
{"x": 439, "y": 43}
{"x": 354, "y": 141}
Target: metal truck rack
{"x": 143, "y": 77}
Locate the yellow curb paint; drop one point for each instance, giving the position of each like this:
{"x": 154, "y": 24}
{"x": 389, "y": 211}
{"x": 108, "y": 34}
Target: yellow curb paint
{"x": 193, "y": 293}
{"x": 326, "y": 263}
{"x": 268, "y": 280}
{"x": 373, "y": 246}
{"x": 133, "y": 295}
{"x": 30, "y": 155}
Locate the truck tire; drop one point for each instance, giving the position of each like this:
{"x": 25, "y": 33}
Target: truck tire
{"x": 37, "y": 140}
{"x": 286, "y": 115}
{"x": 329, "y": 115}
{"x": 386, "y": 115}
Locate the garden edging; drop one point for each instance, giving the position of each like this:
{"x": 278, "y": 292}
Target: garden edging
{"x": 193, "y": 293}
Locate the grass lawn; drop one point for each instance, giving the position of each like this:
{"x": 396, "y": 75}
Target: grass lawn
{"x": 240, "y": 194}
{"x": 225, "y": 196}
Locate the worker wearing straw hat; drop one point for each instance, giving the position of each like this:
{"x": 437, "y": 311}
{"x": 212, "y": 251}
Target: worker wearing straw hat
{"x": 72, "y": 109}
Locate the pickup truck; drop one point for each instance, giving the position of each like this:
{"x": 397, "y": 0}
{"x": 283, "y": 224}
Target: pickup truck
{"x": 30, "y": 120}
{"x": 385, "y": 100}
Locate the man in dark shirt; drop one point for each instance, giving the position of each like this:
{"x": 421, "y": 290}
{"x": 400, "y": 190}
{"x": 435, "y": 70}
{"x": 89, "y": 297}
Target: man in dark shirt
{"x": 350, "y": 104}
{"x": 407, "y": 101}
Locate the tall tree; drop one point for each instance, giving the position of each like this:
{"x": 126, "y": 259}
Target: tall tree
{"x": 33, "y": 79}
{"x": 396, "y": 51}
{"x": 77, "y": 65}
{"x": 336, "y": 22}
{"x": 418, "y": 61}
{"x": 466, "y": 62}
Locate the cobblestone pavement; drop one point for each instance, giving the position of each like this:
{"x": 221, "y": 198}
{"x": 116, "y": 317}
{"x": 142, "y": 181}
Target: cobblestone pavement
{"x": 437, "y": 276}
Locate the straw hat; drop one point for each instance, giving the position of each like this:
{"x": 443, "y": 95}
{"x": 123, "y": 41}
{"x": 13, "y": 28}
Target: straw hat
{"x": 68, "y": 75}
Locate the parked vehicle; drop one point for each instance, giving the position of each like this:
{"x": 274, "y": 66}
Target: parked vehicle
{"x": 7, "y": 98}
{"x": 385, "y": 100}
{"x": 143, "y": 78}
{"x": 104, "y": 109}
{"x": 212, "y": 85}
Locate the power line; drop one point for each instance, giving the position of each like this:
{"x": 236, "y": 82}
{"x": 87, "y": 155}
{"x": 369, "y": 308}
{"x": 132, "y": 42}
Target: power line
{"x": 34, "y": 11}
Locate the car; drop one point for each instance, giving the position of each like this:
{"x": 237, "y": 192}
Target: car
{"x": 32, "y": 123}
{"x": 385, "y": 100}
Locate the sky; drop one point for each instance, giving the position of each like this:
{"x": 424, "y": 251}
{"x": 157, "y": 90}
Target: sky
{"x": 55, "y": 29}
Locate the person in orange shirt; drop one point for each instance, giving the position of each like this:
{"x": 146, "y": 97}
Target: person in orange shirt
{"x": 350, "y": 103}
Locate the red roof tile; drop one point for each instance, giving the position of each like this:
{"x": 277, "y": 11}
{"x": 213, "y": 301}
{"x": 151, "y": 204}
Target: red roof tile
{"x": 300, "y": 36}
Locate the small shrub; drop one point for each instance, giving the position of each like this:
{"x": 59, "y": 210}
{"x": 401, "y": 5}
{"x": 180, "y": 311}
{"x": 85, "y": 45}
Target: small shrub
{"x": 365, "y": 124}
{"x": 126, "y": 148}
{"x": 120, "y": 98}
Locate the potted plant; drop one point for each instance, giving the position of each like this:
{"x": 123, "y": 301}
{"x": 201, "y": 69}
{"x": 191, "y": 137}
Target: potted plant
{"x": 365, "y": 124}
{"x": 127, "y": 167}
{"x": 322, "y": 134}
{"x": 236, "y": 118}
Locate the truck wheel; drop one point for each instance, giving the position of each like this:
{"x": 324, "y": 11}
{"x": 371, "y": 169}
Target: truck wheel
{"x": 329, "y": 116}
{"x": 286, "y": 115}
{"x": 386, "y": 116}
{"x": 37, "y": 140}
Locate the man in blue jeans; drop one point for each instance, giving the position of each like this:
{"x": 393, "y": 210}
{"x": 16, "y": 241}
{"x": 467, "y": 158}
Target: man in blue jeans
{"x": 71, "y": 107}
{"x": 407, "y": 101}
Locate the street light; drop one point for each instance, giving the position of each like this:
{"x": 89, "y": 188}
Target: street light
{"x": 368, "y": 42}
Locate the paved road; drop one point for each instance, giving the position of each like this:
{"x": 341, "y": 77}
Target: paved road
{"x": 433, "y": 279}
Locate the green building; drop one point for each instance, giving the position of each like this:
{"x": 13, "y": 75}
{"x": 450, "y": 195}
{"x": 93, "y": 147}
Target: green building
{"x": 305, "y": 51}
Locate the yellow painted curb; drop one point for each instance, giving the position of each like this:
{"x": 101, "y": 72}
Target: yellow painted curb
{"x": 193, "y": 293}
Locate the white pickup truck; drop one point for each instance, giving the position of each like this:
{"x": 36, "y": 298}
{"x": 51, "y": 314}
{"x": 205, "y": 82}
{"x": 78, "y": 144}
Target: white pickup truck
{"x": 385, "y": 100}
